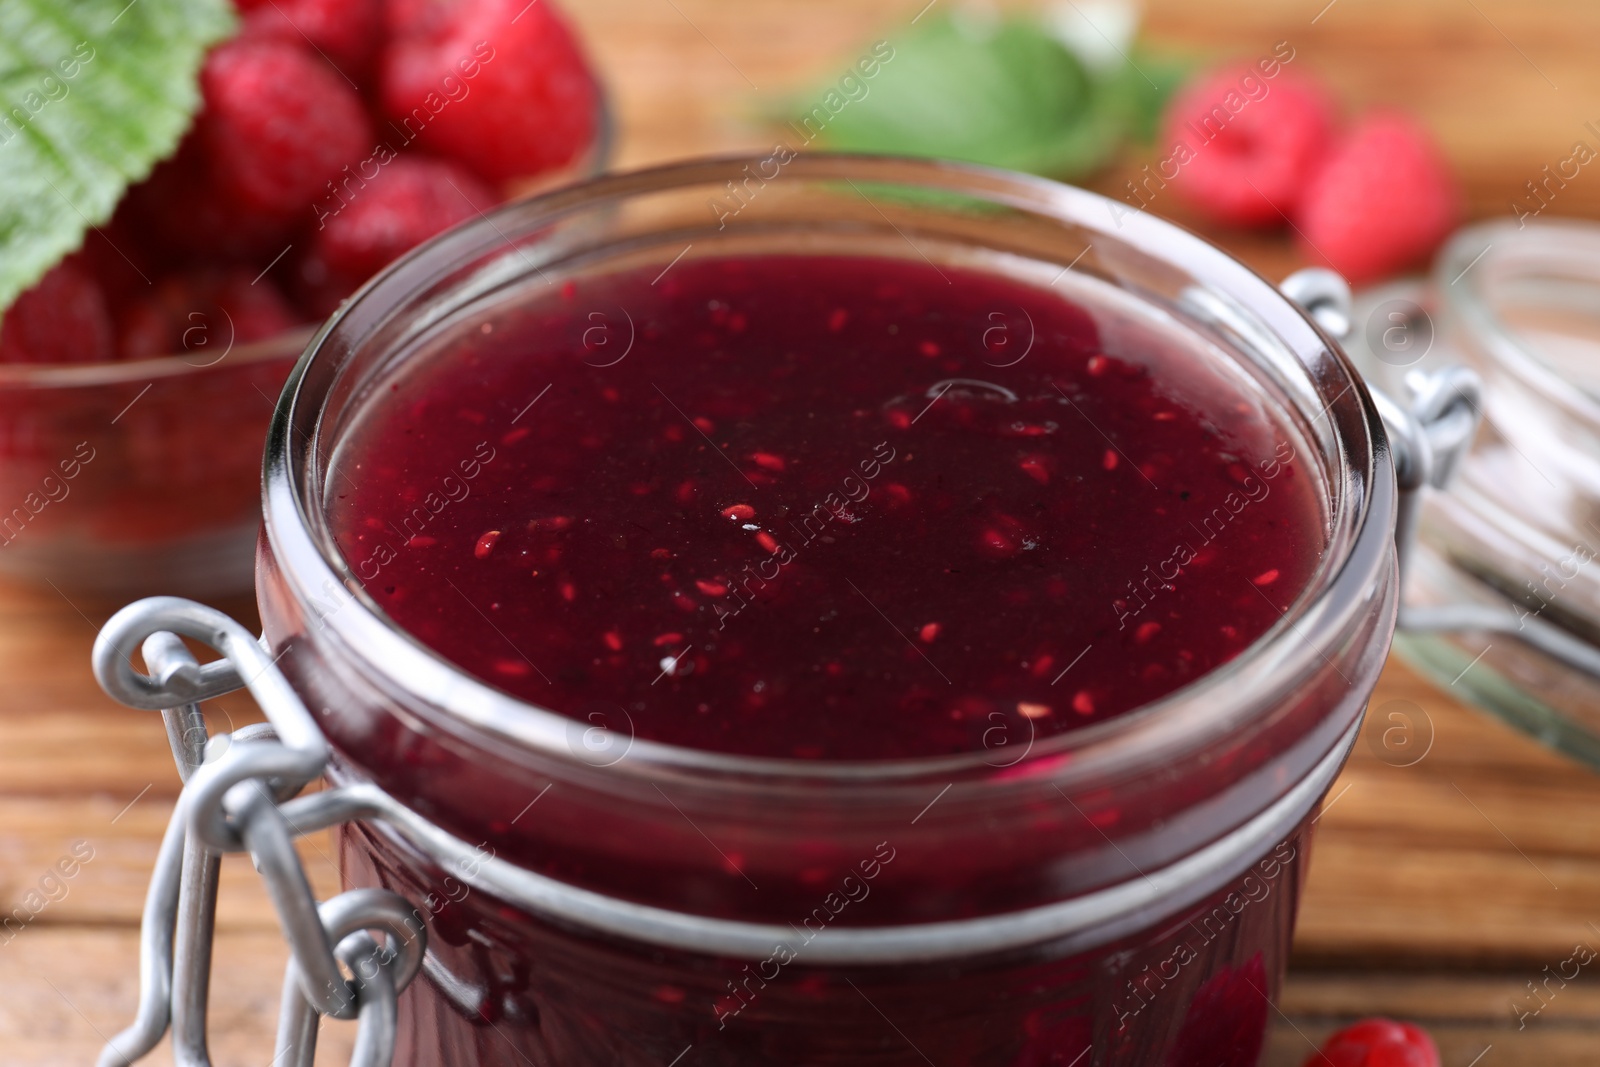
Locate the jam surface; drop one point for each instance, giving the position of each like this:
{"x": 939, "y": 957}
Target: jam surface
{"x": 826, "y": 507}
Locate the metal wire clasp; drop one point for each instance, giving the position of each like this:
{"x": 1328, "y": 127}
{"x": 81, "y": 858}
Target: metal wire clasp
{"x": 234, "y": 785}
{"x": 1428, "y": 438}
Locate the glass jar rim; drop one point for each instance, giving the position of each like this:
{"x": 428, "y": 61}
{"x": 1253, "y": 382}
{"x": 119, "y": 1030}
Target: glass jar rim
{"x": 1480, "y": 257}
{"x": 154, "y": 368}
{"x": 1358, "y": 559}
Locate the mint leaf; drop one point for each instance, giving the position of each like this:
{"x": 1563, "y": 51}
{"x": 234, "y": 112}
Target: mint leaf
{"x": 92, "y": 94}
{"x": 964, "y": 94}
{"x": 1011, "y": 95}
{"x": 1141, "y": 87}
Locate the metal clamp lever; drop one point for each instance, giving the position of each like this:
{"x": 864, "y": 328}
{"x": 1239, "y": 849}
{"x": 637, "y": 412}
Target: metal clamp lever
{"x": 234, "y": 785}
{"x": 241, "y": 799}
{"x": 1428, "y": 440}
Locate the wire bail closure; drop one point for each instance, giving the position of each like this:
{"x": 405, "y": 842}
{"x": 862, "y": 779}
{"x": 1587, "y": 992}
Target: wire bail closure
{"x": 241, "y": 795}
{"x": 234, "y": 785}
{"x": 1428, "y": 439}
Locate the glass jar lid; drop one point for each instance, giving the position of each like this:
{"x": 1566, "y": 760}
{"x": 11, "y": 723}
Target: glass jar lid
{"x": 1516, "y": 535}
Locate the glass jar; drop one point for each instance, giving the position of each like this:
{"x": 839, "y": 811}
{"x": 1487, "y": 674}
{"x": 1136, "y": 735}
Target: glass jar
{"x": 1515, "y": 537}
{"x": 1128, "y": 888}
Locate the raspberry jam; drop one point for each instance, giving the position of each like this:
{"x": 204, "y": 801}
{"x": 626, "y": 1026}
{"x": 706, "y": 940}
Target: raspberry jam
{"x": 825, "y": 508}
{"x": 910, "y": 622}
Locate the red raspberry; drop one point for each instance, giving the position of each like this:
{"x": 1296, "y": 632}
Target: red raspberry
{"x": 1377, "y": 1043}
{"x": 1383, "y": 200}
{"x": 62, "y": 319}
{"x": 145, "y": 331}
{"x": 317, "y": 289}
{"x": 417, "y": 18}
{"x": 258, "y": 310}
{"x": 1252, "y": 142}
{"x": 277, "y": 125}
{"x": 344, "y": 32}
{"x": 181, "y": 210}
{"x": 120, "y": 259}
{"x": 500, "y": 85}
{"x": 410, "y": 200}
{"x": 203, "y": 314}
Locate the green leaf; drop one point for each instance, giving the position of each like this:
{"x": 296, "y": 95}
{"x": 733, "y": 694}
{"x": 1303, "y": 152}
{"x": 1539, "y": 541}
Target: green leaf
{"x": 1141, "y": 88}
{"x": 92, "y": 94}
{"x": 1008, "y": 95}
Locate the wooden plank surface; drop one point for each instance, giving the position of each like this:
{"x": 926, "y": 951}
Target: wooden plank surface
{"x": 1437, "y": 890}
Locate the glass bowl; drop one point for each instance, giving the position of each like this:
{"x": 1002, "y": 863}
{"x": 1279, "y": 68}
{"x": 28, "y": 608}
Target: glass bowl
{"x": 131, "y": 478}
{"x": 124, "y": 478}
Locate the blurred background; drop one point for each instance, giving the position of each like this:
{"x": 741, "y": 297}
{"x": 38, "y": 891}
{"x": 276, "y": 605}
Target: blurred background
{"x": 1457, "y": 864}
{"x": 1505, "y": 88}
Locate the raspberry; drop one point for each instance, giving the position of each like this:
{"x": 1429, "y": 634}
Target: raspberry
{"x": 203, "y": 313}
{"x": 507, "y": 98}
{"x": 390, "y": 215}
{"x": 256, "y": 307}
{"x": 62, "y": 319}
{"x": 1377, "y": 1043}
{"x": 409, "y": 201}
{"x": 120, "y": 259}
{"x": 181, "y": 211}
{"x": 144, "y": 331}
{"x": 1382, "y": 200}
{"x": 318, "y": 290}
{"x": 1253, "y": 143}
{"x": 345, "y": 32}
{"x": 277, "y": 125}
{"x": 416, "y": 18}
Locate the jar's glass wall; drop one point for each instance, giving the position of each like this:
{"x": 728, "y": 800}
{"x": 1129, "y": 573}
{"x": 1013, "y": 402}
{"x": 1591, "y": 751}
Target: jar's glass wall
{"x": 1077, "y": 813}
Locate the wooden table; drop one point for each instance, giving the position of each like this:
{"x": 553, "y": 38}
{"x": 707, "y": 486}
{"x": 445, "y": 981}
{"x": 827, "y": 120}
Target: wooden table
{"x": 1437, "y": 890}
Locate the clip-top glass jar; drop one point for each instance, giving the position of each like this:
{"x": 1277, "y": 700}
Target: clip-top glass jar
{"x": 1123, "y": 893}
{"x": 1506, "y": 556}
